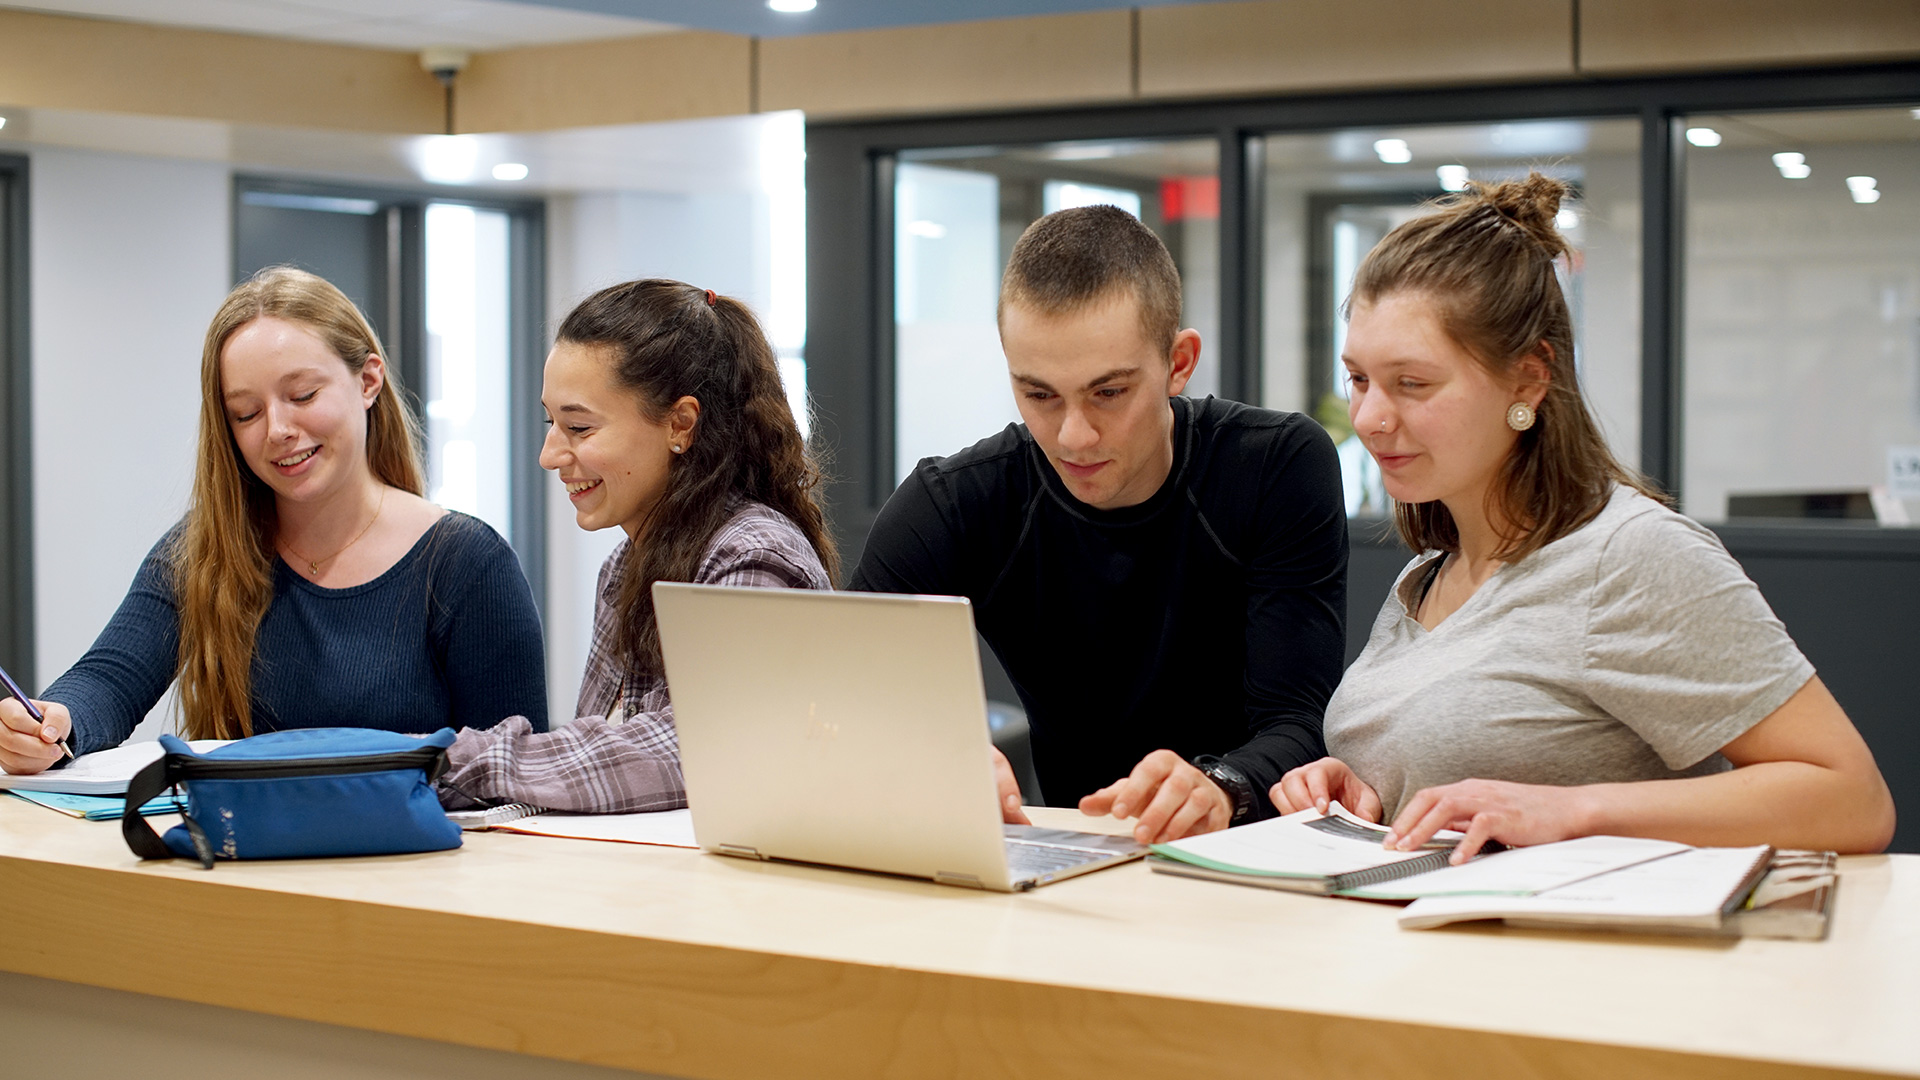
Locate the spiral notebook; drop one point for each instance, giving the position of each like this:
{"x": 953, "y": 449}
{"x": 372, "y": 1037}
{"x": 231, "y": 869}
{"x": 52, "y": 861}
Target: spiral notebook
{"x": 1306, "y": 852}
{"x": 488, "y": 817}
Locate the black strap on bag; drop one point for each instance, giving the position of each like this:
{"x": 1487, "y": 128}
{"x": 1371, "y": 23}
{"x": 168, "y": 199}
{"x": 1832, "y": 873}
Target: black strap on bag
{"x": 146, "y": 785}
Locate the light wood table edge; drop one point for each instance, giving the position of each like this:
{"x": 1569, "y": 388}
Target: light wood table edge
{"x": 712, "y": 1012}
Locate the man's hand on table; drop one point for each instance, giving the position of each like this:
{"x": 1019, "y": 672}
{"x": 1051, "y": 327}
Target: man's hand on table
{"x": 1168, "y": 794}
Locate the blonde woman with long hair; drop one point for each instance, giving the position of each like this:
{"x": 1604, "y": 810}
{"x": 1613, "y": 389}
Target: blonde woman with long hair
{"x": 310, "y": 584}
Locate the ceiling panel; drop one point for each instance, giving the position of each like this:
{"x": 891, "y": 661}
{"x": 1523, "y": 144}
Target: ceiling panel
{"x": 493, "y": 24}
{"x": 754, "y": 17}
{"x": 387, "y": 24}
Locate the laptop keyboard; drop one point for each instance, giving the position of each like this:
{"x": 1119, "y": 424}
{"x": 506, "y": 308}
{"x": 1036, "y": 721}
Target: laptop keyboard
{"x": 1038, "y": 860}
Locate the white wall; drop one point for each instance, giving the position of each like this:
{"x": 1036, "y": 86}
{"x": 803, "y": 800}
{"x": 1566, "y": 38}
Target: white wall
{"x": 130, "y": 258}
{"x": 132, "y": 254}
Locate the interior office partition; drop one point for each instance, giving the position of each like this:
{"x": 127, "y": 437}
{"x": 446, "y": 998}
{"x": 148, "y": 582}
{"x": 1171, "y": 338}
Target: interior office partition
{"x": 16, "y": 429}
{"x": 454, "y": 284}
{"x": 1682, "y": 256}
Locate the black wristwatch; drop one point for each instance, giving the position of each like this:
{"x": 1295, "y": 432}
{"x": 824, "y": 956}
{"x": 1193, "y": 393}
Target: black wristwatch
{"x": 1232, "y": 781}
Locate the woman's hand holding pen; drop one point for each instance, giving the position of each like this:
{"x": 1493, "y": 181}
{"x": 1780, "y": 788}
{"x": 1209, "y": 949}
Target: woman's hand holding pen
{"x": 28, "y": 745}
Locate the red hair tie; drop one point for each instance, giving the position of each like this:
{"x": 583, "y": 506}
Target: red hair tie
{"x": 709, "y": 297}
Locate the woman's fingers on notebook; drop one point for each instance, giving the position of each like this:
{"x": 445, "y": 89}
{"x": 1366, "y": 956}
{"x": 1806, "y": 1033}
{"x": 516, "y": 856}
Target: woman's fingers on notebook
{"x": 1317, "y": 785}
{"x": 1364, "y": 801}
{"x": 1479, "y": 831}
{"x": 1293, "y": 793}
{"x": 1488, "y": 810}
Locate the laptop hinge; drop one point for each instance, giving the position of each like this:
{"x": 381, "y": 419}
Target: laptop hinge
{"x": 965, "y": 881}
{"x": 740, "y": 851}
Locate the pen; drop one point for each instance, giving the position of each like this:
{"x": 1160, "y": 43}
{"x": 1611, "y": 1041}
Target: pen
{"x": 33, "y": 711}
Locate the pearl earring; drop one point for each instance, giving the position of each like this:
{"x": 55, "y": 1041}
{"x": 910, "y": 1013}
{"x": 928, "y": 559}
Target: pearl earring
{"x": 677, "y": 448}
{"x": 1520, "y": 416}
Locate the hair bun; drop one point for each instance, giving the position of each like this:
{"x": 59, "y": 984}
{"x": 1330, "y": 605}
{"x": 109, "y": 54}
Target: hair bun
{"x": 1532, "y": 204}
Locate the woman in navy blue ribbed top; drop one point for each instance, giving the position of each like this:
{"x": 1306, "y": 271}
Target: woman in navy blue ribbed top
{"x": 311, "y": 583}
{"x": 446, "y": 638}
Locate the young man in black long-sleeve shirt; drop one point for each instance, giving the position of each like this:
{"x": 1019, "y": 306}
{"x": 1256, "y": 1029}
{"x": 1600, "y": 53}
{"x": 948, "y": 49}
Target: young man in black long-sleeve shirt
{"x": 1163, "y": 579}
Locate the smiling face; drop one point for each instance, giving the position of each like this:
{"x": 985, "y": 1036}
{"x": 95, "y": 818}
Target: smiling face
{"x": 298, "y": 413}
{"x": 1093, "y": 392}
{"x": 1431, "y": 414}
{"x": 612, "y": 458}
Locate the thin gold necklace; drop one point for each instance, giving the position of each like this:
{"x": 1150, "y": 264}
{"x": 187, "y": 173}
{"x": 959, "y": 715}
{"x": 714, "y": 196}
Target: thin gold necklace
{"x": 313, "y": 565}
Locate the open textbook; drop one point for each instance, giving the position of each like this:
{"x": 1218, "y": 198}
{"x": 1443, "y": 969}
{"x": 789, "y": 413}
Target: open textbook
{"x": 1593, "y": 882}
{"x": 1338, "y": 853}
{"x": 103, "y": 772}
{"x": 1732, "y": 892}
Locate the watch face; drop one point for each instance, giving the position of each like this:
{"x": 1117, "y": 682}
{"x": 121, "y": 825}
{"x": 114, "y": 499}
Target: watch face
{"x": 1234, "y": 784}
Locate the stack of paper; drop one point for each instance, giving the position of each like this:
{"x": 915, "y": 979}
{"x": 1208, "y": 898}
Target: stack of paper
{"x": 1693, "y": 889}
{"x": 103, "y": 772}
{"x": 664, "y": 828}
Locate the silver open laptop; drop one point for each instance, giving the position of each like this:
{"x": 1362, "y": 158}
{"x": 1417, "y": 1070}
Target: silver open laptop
{"x": 849, "y": 729}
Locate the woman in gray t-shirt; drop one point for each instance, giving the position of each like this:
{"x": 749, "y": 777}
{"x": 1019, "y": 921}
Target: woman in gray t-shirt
{"x": 1568, "y": 656}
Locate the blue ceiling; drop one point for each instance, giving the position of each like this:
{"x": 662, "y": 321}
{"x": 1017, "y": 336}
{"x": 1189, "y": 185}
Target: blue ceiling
{"x": 754, "y": 18}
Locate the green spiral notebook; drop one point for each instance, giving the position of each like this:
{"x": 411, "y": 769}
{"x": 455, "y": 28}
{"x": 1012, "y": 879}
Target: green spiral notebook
{"x": 1306, "y": 852}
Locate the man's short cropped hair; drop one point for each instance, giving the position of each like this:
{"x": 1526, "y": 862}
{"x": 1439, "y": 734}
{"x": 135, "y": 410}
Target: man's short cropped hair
{"x": 1074, "y": 258}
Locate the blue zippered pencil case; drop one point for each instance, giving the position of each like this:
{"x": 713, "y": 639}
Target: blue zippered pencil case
{"x": 306, "y": 793}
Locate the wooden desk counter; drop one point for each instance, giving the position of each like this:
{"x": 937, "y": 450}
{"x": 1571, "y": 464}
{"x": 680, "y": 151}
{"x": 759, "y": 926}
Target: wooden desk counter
{"x": 676, "y": 962}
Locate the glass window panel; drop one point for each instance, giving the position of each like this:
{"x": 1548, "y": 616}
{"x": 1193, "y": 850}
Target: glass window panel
{"x": 466, "y": 376}
{"x": 957, "y": 214}
{"x": 1802, "y": 314}
{"x": 1331, "y": 196}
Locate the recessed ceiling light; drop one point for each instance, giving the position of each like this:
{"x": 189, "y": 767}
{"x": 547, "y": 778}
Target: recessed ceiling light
{"x": 1792, "y": 166}
{"x": 792, "y": 7}
{"x": 511, "y": 170}
{"x": 3, "y": 121}
{"x": 1703, "y": 136}
{"x": 1452, "y": 177}
{"x": 1393, "y": 151}
{"x": 1864, "y": 189}
{"x": 1566, "y": 219}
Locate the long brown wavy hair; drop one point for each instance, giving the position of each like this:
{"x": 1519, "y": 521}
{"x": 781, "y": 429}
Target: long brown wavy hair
{"x": 1486, "y": 260}
{"x": 222, "y": 557}
{"x": 668, "y": 341}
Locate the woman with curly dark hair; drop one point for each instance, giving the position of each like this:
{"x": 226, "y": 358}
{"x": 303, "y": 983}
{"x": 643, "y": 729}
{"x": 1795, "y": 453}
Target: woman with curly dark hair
{"x": 669, "y": 421}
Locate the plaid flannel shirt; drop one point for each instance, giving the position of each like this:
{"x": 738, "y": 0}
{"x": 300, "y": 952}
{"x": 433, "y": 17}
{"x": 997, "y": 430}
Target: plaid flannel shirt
{"x": 623, "y": 755}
